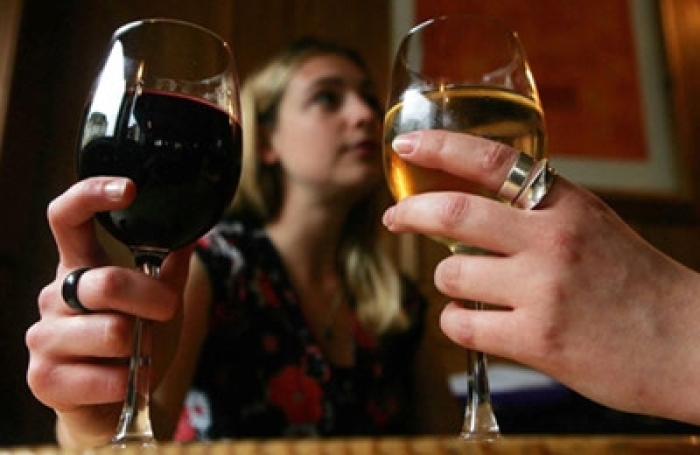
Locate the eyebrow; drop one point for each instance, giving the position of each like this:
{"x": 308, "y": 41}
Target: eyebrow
{"x": 339, "y": 81}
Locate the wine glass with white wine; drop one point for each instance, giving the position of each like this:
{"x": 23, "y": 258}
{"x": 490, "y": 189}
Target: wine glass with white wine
{"x": 468, "y": 74}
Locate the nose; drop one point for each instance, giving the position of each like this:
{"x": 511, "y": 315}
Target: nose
{"x": 361, "y": 110}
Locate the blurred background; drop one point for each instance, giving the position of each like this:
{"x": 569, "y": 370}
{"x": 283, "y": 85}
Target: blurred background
{"x": 48, "y": 55}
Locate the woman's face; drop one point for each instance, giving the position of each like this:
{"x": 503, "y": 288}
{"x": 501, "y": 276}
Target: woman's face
{"x": 327, "y": 132}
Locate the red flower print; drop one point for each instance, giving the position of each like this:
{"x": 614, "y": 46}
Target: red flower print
{"x": 204, "y": 242}
{"x": 297, "y": 394}
{"x": 382, "y": 413}
{"x": 267, "y": 290}
{"x": 185, "y": 432}
{"x": 364, "y": 338}
{"x": 195, "y": 418}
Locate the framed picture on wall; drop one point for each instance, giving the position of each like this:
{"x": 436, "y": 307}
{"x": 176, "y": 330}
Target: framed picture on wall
{"x": 603, "y": 74}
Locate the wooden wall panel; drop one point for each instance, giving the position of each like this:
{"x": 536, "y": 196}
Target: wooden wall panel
{"x": 9, "y": 29}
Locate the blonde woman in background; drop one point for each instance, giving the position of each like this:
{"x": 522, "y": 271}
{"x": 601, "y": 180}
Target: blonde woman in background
{"x": 289, "y": 319}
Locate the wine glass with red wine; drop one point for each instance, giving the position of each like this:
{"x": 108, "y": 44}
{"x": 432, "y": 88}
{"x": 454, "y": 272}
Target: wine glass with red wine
{"x": 164, "y": 112}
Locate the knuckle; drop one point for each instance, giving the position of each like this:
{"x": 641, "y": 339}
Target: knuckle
{"x": 115, "y": 386}
{"x": 43, "y": 379}
{"x": 453, "y": 210}
{"x": 439, "y": 140}
{"x": 495, "y": 156}
{"x": 116, "y": 335}
{"x": 546, "y": 343}
{"x": 37, "y": 375}
{"x": 549, "y": 338}
{"x": 34, "y": 337}
{"x": 46, "y": 297}
{"x": 110, "y": 280}
{"x": 565, "y": 245}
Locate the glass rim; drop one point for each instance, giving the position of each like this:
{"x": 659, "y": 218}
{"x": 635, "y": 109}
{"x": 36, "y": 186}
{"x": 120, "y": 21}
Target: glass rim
{"x": 511, "y": 35}
{"x": 166, "y": 20}
{"x": 453, "y": 16}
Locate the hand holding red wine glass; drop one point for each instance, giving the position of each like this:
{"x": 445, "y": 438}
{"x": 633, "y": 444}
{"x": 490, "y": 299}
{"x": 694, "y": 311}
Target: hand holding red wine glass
{"x": 164, "y": 112}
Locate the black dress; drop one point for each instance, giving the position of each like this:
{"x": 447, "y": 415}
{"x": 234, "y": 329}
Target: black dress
{"x": 262, "y": 374}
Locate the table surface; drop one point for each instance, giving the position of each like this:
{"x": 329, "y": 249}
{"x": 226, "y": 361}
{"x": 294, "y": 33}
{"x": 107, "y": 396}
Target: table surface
{"x": 526, "y": 445}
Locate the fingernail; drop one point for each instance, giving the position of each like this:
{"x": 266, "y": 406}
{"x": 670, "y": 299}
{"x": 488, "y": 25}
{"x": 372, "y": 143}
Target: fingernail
{"x": 405, "y": 143}
{"x": 115, "y": 188}
{"x": 388, "y": 217}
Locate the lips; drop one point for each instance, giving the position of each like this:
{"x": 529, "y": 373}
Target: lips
{"x": 365, "y": 148}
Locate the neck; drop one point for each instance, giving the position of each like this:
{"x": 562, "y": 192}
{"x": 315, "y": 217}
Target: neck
{"x": 308, "y": 240}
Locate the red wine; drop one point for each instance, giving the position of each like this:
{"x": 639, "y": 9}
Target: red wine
{"x": 184, "y": 156}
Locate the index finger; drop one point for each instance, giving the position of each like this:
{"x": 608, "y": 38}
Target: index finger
{"x": 469, "y": 157}
{"x": 70, "y": 217}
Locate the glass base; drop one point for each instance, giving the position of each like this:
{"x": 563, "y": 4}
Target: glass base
{"x": 480, "y": 426}
{"x": 136, "y": 442}
{"x": 486, "y": 436}
{"x": 480, "y": 437}
{"x": 482, "y": 433}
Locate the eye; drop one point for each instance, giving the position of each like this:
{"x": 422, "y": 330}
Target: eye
{"x": 372, "y": 101}
{"x": 327, "y": 98}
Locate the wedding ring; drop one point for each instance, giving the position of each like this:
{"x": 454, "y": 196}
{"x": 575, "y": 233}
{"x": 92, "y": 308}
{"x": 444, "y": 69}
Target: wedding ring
{"x": 69, "y": 290}
{"x": 538, "y": 184}
{"x": 517, "y": 176}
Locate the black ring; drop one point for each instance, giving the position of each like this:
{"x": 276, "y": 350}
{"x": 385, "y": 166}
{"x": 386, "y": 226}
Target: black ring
{"x": 69, "y": 290}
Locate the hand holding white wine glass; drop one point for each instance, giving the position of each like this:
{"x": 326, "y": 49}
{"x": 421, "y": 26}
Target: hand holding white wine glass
{"x": 467, "y": 74}
{"x": 164, "y": 112}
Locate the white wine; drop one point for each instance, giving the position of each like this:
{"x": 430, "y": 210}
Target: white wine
{"x": 495, "y": 114}
{"x": 492, "y": 113}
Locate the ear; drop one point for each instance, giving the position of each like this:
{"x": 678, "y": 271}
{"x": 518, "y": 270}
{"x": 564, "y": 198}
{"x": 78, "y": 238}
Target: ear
{"x": 268, "y": 153}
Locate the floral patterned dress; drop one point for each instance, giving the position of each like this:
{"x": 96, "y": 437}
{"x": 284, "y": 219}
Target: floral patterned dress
{"x": 262, "y": 374}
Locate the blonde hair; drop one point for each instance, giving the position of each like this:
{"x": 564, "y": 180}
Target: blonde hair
{"x": 370, "y": 277}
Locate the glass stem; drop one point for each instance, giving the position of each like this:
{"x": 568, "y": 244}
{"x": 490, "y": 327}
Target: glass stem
{"x": 479, "y": 419}
{"x": 135, "y": 423}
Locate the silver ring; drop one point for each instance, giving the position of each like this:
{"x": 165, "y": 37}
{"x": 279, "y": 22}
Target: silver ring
{"x": 517, "y": 176}
{"x": 69, "y": 290}
{"x": 538, "y": 184}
